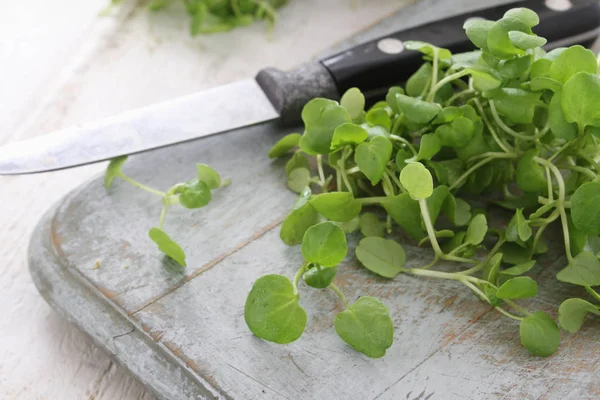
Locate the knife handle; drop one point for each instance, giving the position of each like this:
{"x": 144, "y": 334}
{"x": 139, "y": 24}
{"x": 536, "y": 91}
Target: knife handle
{"x": 376, "y": 65}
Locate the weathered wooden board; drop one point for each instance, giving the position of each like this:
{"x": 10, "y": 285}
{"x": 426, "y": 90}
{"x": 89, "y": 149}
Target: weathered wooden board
{"x": 182, "y": 333}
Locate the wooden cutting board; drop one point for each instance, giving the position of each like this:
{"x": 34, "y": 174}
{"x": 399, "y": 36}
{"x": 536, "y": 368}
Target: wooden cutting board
{"x": 181, "y": 332}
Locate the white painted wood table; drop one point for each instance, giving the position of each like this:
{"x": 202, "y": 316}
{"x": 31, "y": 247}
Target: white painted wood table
{"x": 60, "y": 65}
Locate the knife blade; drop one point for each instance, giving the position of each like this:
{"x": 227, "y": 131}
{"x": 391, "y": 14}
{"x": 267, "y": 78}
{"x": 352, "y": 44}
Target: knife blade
{"x": 277, "y": 95}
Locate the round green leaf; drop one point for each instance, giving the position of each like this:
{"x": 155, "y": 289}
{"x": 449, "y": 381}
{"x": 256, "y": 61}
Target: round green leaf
{"x": 371, "y": 225}
{"x": 416, "y": 110}
{"x": 324, "y": 244}
{"x": 490, "y": 271}
{"x": 498, "y": 41}
{"x": 319, "y": 277}
{"x": 520, "y": 287}
{"x": 298, "y": 180}
{"x": 303, "y": 198}
{"x": 518, "y": 227}
{"x": 167, "y": 245}
{"x": 113, "y": 170}
{"x": 518, "y": 269}
{"x": 525, "y": 15}
{"x": 336, "y": 206}
{"x": 477, "y": 229}
{"x": 416, "y": 84}
{"x": 531, "y": 177}
{"x": 526, "y": 41}
{"x": 272, "y": 311}
{"x": 580, "y": 99}
{"x": 366, "y": 325}
{"x": 383, "y": 256}
{"x": 349, "y": 226}
{"x": 348, "y": 134}
{"x": 571, "y": 61}
{"x": 298, "y": 160}
{"x": 390, "y": 98}
{"x": 429, "y": 146}
{"x": 406, "y": 212}
{"x": 195, "y": 194}
{"x": 516, "y": 104}
{"x": 354, "y": 102}
{"x": 372, "y": 157}
{"x": 297, "y": 223}
{"x": 584, "y": 270}
{"x": 585, "y": 208}
{"x": 285, "y": 144}
{"x": 379, "y": 117}
{"x": 417, "y": 180}
{"x": 321, "y": 117}
{"x": 477, "y": 31}
{"x": 559, "y": 125}
{"x": 428, "y": 49}
{"x": 572, "y": 312}
{"x": 208, "y": 175}
{"x": 540, "y": 334}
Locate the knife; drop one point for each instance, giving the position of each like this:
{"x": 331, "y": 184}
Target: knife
{"x": 277, "y": 95}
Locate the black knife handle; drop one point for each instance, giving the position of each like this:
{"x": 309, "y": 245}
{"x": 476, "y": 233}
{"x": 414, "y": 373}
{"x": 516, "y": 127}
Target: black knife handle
{"x": 375, "y": 66}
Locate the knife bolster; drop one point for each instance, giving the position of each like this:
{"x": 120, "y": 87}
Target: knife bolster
{"x": 290, "y": 91}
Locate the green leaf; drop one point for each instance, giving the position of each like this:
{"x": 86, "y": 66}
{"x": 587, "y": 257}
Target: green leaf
{"x": 380, "y": 117}
{"x": 297, "y": 223}
{"x": 526, "y": 41}
{"x": 430, "y": 145}
{"x": 585, "y": 208}
{"x": 580, "y": 97}
{"x": 518, "y": 269}
{"x": 272, "y": 311}
{"x": 348, "y": 134}
{"x": 498, "y": 41}
{"x": 418, "y": 82}
{"x": 298, "y": 160}
{"x": 456, "y": 134}
{"x": 195, "y": 194}
{"x": 525, "y": 15}
{"x": 417, "y": 180}
{"x": 336, "y": 206}
{"x": 477, "y": 31}
{"x": 372, "y": 158}
{"x": 405, "y": 212}
{"x": 531, "y": 177}
{"x": 354, "y": 103}
{"x": 401, "y": 157}
{"x": 448, "y": 114}
{"x": 515, "y": 68}
{"x": 113, "y": 170}
{"x": 416, "y": 110}
{"x": 540, "y": 68}
{"x": 571, "y": 61}
{"x": 477, "y": 229}
{"x": 520, "y": 287}
{"x": 477, "y": 145}
{"x": 366, "y": 325}
{"x": 371, "y": 225}
{"x": 285, "y": 144}
{"x": 324, "y": 244}
{"x": 167, "y": 245}
{"x": 321, "y": 117}
{"x": 298, "y": 179}
{"x": 428, "y": 49}
{"x": 540, "y": 334}
{"x": 382, "y": 256}
{"x": 208, "y": 175}
{"x": 516, "y": 104}
{"x": 584, "y": 270}
{"x": 303, "y": 198}
{"x": 390, "y": 98}
{"x": 558, "y": 123}
{"x": 572, "y": 312}
{"x": 492, "y": 267}
{"x": 319, "y": 277}
{"x": 518, "y": 227}
{"x": 436, "y": 201}
{"x": 458, "y": 211}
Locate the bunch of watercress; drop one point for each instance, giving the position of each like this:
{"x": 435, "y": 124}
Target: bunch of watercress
{"x": 212, "y": 16}
{"x": 509, "y": 123}
{"x": 195, "y": 193}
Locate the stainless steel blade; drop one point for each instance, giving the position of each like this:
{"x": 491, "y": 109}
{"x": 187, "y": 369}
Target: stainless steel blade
{"x": 216, "y": 110}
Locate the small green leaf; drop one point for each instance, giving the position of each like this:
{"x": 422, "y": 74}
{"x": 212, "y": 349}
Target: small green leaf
{"x": 518, "y": 227}
{"x": 354, "y": 103}
{"x": 417, "y": 83}
{"x": 390, "y": 98}
{"x": 366, "y": 325}
{"x": 167, "y": 245}
{"x": 372, "y": 157}
{"x": 458, "y": 211}
{"x": 371, "y": 225}
{"x": 272, "y": 311}
{"x": 518, "y": 269}
{"x": 572, "y": 312}
{"x": 405, "y": 212}
{"x": 517, "y": 104}
{"x": 430, "y": 145}
{"x": 448, "y": 114}
{"x": 559, "y": 125}
{"x": 540, "y": 334}
{"x": 571, "y": 61}
{"x": 436, "y": 201}
{"x": 208, "y": 175}
{"x": 379, "y": 117}
{"x": 531, "y": 177}
{"x": 526, "y": 41}
{"x": 580, "y": 97}
{"x": 113, "y": 170}
{"x": 585, "y": 208}
{"x": 285, "y": 144}
{"x": 324, "y": 244}
{"x": 401, "y": 157}
{"x": 477, "y": 229}
{"x": 490, "y": 271}
{"x": 428, "y": 49}
{"x": 348, "y": 134}
{"x": 515, "y": 68}
{"x": 195, "y": 194}
{"x": 303, "y": 198}
{"x": 584, "y": 270}
{"x": 416, "y": 110}
{"x": 520, "y": 287}
{"x": 456, "y": 134}
{"x": 297, "y": 223}
{"x": 298, "y": 180}
{"x": 498, "y": 41}
{"x": 319, "y": 277}
{"x": 477, "y": 31}
{"x": 321, "y": 117}
{"x": 525, "y": 15}
{"x": 417, "y": 180}
{"x": 382, "y": 256}
{"x": 336, "y": 206}
{"x": 349, "y": 226}
{"x": 298, "y": 160}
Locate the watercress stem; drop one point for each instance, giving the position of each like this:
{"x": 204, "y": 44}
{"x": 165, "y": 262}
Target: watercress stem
{"x": 340, "y": 294}
{"x": 429, "y": 227}
{"x": 443, "y": 81}
{"x": 140, "y": 185}
{"x": 371, "y": 200}
{"x": 163, "y": 213}
{"x": 517, "y": 307}
{"x": 297, "y": 279}
{"x": 405, "y": 142}
{"x": 593, "y": 293}
{"x": 434, "y": 72}
{"x": 509, "y": 315}
{"x": 509, "y": 130}
{"x": 504, "y": 146}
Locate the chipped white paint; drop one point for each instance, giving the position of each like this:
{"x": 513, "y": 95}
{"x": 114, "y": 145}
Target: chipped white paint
{"x": 62, "y": 65}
